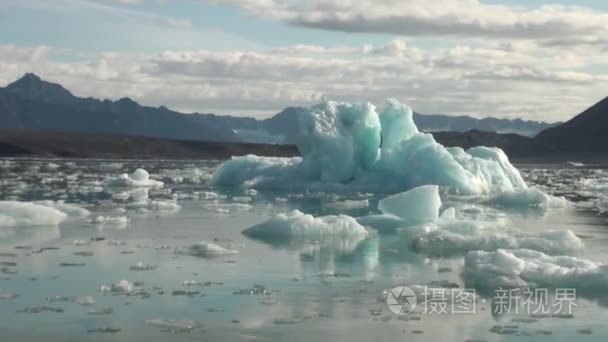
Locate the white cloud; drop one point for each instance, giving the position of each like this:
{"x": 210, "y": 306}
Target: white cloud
{"x": 130, "y": 2}
{"x": 455, "y": 18}
{"x": 502, "y": 80}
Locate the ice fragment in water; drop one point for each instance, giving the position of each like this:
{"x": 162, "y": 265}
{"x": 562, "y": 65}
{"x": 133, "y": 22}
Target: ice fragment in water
{"x": 139, "y": 178}
{"x": 418, "y": 205}
{"x": 24, "y": 214}
{"x": 140, "y": 266}
{"x": 527, "y": 268}
{"x": 296, "y": 224}
{"x": 205, "y": 250}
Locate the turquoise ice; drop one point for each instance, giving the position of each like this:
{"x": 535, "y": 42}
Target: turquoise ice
{"x": 352, "y": 146}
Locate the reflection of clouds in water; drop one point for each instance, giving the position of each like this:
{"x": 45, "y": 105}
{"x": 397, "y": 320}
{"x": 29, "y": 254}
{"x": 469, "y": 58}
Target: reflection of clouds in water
{"x": 326, "y": 259}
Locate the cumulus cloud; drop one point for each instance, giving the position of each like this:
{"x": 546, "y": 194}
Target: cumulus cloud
{"x": 129, "y": 2}
{"x": 502, "y": 80}
{"x": 456, "y": 18}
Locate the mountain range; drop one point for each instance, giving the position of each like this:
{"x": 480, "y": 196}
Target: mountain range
{"x": 31, "y": 103}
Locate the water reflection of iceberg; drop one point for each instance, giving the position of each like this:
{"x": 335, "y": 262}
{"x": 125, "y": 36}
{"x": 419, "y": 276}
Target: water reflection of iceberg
{"x": 29, "y": 235}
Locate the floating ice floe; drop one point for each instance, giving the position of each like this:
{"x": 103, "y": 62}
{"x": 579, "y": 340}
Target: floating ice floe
{"x": 108, "y": 167}
{"x": 208, "y": 195}
{"x": 460, "y": 240}
{"x": 51, "y": 166}
{"x": 139, "y": 178}
{"x": 113, "y": 221}
{"x": 84, "y": 301}
{"x": 205, "y": 249}
{"x": 339, "y": 233}
{"x": 4, "y": 295}
{"x": 417, "y": 206}
{"x": 123, "y": 287}
{"x": 527, "y": 198}
{"x": 575, "y": 164}
{"x": 140, "y": 201}
{"x": 226, "y": 208}
{"x": 348, "y": 204}
{"x": 73, "y": 211}
{"x": 189, "y": 175}
{"x": 352, "y": 146}
{"x": 527, "y": 268}
{"x": 140, "y": 266}
{"x": 23, "y": 214}
{"x": 81, "y": 243}
{"x": 298, "y": 224}
{"x": 172, "y": 325}
{"x": 103, "y": 311}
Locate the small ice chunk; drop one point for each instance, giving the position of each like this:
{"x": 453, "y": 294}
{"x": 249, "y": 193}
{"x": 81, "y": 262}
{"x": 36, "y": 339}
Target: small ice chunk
{"x": 122, "y": 287}
{"x": 104, "y": 330}
{"x": 104, "y": 311}
{"x": 526, "y": 268}
{"x": 382, "y": 222}
{"x": 41, "y": 309}
{"x": 448, "y": 215}
{"x": 81, "y": 243}
{"x": 117, "y": 243}
{"x": 172, "y": 324}
{"x": 19, "y": 214}
{"x": 86, "y": 301}
{"x": 349, "y": 204}
{"x": 527, "y": 198}
{"x": 208, "y": 195}
{"x": 472, "y": 235}
{"x": 140, "y": 266}
{"x": 241, "y": 199}
{"x": 575, "y": 164}
{"x": 139, "y": 178}
{"x": 205, "y": 250}
{"x": 110, "y": 167}
{"x": 7, "y": 295}
{"x": 298, "y": 224}
{"x": 419, "y": 205}
{"x": 115, "y": 221}
{"x": 190, "y": 283}
{"x": 73, "y": 211}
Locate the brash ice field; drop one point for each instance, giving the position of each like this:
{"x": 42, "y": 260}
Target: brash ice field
{"x": 307, "y": 248}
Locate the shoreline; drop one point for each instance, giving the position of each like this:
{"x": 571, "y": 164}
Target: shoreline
{"x": 26, "y": 144}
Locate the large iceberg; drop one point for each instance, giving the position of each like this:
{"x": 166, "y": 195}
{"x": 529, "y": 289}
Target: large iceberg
{"x": 349, "y": 145}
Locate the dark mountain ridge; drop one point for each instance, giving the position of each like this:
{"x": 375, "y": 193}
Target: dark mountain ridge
{"x": 34, "y": 104}
{"x": 586, "y": 132}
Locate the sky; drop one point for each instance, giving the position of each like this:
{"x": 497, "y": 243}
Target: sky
{"x": 541, "y": 60}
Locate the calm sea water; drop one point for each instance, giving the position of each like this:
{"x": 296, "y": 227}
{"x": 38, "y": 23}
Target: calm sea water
{"x": 304, "y": 291}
